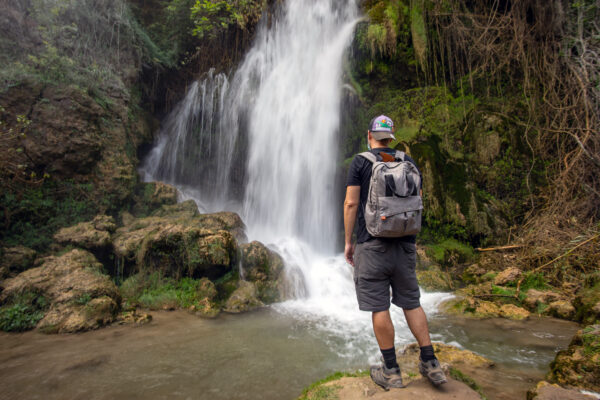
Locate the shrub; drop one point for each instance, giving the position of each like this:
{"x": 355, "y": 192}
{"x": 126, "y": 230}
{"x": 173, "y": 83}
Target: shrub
{"x": 23, "y": 313}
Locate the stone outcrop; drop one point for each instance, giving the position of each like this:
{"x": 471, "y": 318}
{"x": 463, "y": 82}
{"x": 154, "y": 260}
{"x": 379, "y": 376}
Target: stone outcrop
{"x": 451, "y": 358}
{"x": 548, "y": 391}
{"x": 511, "y": 311}
{"x": 81, "y": 296}
{"x": 93, "y": 235}
{"x": 579, "y": 365}
{"x": 435, "y": 280}
{"x": 244, "y": 298}
{"x": 562, "y": 309}
{"x": 175, "y": 241}
{"x": 535, "y": 298}
{"x": 264, "y": 268}
{"x": 509, "y": 275}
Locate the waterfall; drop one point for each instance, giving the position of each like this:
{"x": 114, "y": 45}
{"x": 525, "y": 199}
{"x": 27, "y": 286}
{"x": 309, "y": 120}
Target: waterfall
{"x": 265, "y": 144}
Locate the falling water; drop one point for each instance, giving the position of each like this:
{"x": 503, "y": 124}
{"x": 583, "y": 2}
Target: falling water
{"x": 265, "y": 144}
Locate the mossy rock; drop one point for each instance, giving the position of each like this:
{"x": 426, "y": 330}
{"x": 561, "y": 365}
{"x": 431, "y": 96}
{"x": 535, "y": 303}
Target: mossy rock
{"x": 579, "y": 365}
{"x": 92, "y": 235}
{"x": 435, "y": 280}
{"x": 79, "y": 295}
{"x": 18, "y": 258}
{"x": 244, "y": 298}
{"x": 264, "y": 267}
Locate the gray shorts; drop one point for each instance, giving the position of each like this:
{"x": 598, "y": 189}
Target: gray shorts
{"x": 383, "y": 263}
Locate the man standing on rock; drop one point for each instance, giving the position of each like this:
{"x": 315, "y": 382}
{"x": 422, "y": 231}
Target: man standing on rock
{"x": 381, "y": 263}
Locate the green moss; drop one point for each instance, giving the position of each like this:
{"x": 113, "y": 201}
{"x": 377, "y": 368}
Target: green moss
{"x": 316, "y": 389}
{"x": 38, "y": 212}
{"x": 23, "y": 312}
{"x": 450, "y": 252}
{"x": 470, "y": 382}
{"x": 83, "y": 299}
{"x": 591, "y": 340}
{"x": 154, "y": 291}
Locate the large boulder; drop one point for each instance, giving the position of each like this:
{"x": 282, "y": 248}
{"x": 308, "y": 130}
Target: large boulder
{"x": 562, "y": 309}
{"x": 81, "y": 296}
{"x": 177, "y": 241}
{"x": 18, "y": 258}
{"x": 509, "y": 275}
{"x": 244, "y": 298}
{"x": 579, "y": 365}
{"x": 265, "y": 268}
{"x": 511, "y": 311}
{"x": 92, "y": 235}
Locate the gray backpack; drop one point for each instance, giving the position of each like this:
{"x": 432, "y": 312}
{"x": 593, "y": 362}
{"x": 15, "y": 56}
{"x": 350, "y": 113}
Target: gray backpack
{"x": 394, "y": 205}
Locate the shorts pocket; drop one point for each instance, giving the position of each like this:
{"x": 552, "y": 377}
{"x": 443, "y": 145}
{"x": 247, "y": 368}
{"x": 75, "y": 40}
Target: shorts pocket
{"x": 375, "y": 245}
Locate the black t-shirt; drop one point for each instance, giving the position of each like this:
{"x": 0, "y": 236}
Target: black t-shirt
{"x": 360, "y": 175}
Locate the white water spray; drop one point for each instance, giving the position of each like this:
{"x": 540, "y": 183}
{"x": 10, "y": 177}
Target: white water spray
{"x": 278, "y": 118}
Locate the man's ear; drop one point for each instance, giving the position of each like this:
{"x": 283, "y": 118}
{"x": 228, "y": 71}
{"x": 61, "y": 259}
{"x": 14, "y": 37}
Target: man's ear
{"x": 369, "y": 135}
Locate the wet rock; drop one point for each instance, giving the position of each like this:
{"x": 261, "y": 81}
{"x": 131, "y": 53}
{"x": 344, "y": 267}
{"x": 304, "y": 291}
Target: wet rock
{"x": 91, "y": 235}
{"x": 511, "y": 311}
{"x": 435, "y": 280}
{"x": 509, "y": 275}
{"x": 244, "y": 298}
{"x": 181, "y": 211}
{"x": 18, "y": 258}
{"x": 158, "y": 194}
{"x": 562, "y": 309}
{"x": 362, "y": 387}
{"x": 486, "y": 309}
{"x": 228, "y": 221}
{"x": 547, "y": 391}
{"x": 579, "y": 365}
{"x": 263, "y": 267}
{"x": 537, "y": 297}
{"x": 81, "y": 296}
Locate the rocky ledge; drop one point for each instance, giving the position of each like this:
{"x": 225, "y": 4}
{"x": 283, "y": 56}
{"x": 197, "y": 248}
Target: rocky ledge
{"x": 360, "y": 386}
{"x": 161, "y": 255}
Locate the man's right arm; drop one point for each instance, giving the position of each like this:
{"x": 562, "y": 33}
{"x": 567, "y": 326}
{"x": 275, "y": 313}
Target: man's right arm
{"x": 350, "y": 210}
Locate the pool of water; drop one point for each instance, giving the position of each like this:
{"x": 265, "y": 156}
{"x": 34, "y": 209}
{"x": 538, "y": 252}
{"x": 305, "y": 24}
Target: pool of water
{"x": 266, "y": 354}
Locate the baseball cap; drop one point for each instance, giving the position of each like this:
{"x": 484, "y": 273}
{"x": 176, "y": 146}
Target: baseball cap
{"x": 382, "y": 127}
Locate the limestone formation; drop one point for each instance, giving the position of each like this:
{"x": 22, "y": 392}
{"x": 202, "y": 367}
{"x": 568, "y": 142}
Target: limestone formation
{"x": 511, "y": 311}
{"x": 537, "y": 297}
{"x": 487, "y": 309}
{"x": 263, "y": 267}
{"x": 579, "y": 365}
{"x": 435, "y": 280}
{"x": 562, "y": 309}
{"x": 93, "y": 235}
{"x": 509, "y": 275}
{"x": 81, "y": 296}
{"x": 244, "y": 298}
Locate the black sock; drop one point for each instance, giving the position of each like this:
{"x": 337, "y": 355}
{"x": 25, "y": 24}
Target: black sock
{"x": 389, "y": 358}
{"x": 427, "y": 353}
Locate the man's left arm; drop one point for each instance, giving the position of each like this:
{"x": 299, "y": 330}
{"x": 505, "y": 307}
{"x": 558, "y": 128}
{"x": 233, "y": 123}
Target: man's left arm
{"x": 350, "y": 210}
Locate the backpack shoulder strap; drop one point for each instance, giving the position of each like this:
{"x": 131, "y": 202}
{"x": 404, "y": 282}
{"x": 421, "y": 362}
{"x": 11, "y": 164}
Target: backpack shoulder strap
{"x": 369, "y": 156}
{"x": 400, "y": 155}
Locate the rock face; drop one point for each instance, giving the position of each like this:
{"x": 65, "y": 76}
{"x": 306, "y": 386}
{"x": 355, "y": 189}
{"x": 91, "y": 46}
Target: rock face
{"x": 579, "y": 365}
{"x": 93, "y": 235}
{"x": 509, "y": 275}
{"x": 562, "y": 309}
{"x": 244, "y": 298}
{"x": 174, "y": 240}
{"x": 81, "y": 296}
{"x": 547, "y": 391}
{"x": 536, "y": 298}
{"x": 511, "y": 311}
{"x": 264, "y": 268}
{"x": 18, "y": 258}
{"x": 434, "y": 279}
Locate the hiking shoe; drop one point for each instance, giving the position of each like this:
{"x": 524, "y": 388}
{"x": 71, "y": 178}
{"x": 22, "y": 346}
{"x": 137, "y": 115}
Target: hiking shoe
{"x": 386, "y": 378}
{"x": 432, "y": 371}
